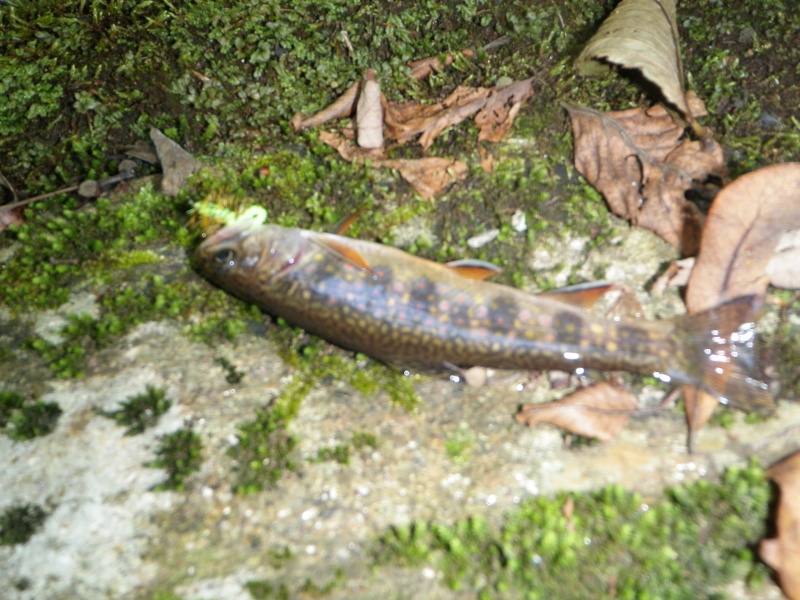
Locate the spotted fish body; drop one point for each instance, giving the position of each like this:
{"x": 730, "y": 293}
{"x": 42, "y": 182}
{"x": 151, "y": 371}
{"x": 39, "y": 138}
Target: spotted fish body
{"x": 411, "y": 312}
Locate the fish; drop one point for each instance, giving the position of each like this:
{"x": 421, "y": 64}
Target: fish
{"x": 414, "y": 313}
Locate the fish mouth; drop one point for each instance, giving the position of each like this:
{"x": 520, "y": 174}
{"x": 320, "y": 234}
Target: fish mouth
{"x": 229, "y": 233}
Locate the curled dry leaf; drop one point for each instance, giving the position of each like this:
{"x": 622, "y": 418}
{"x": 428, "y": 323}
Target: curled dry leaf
{"x": 496, "y": 117}
{"x": 343, "y": 106}
{"x": 744, "y": 226}
{"x": 599, "y": 411}
{"x": 782, "y": 553}
{"x": 428, "y": 176}
{"x": 641, "y": 162}
{"x": 406, "y": 121}
{"x": 369, "y": 113}
{"x": 643, "y": 35}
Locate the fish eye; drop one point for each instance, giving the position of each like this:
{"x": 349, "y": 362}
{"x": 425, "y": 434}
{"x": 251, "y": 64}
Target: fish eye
{"x": 225, "y": 257}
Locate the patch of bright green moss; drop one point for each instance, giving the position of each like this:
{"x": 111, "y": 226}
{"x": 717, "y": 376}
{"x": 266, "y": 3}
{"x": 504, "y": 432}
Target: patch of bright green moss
{"x": 339, "y": 454}
{"x": 180, "y": 455}
{"x": 609, "y": 544}
{"x": 139, "y": 412}
{"x": 59, "y": 243}
{"x": 19, "y": 522}
{"x": 264, "y": 590}
{"x": 24, "y": 420}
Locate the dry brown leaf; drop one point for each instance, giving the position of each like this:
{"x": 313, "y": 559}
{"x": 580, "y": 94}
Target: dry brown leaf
{"x": 640, "y": 162}
{"x": 429, "y": 176}
{"x": 599, "y": 411}
{"x": 744, "y": 227}
{"x": 782, "y": 553}
{"x": 342, "y": 107}
{"x": 407, "y": 121}
{"x": 496, "y": 117}
{"x": 488, "y": 161}
{"x": 699, "y": 407}
{"x": 369, "y": 113}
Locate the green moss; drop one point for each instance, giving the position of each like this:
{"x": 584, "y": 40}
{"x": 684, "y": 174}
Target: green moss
{"x": 25, "y": 420}
{"x": 232, "y": 374}
{"x": 339, "y": 454}
{"x": 610, "y": 543}
{"x": 19, "y": 522}
{"x": 362, "y": 440}
{"x": 458, "y": 443}
{"x": 139, "y": 412}
{"x": 264, "y": 590}
{"x": 180, "y": 455}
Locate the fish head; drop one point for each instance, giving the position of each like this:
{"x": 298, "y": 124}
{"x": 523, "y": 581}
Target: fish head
{"x": 243, "y": 255}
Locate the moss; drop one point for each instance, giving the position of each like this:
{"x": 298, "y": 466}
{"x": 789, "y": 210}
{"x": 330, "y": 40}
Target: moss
{"x": 232, "y": 374}
{"x": 458, "y": 443}
{"x": 19, "y": 522}
{"x": 24, "y": 420}
{"x": 264, "y": 590}
{"x": 180, "y": 455}
{"x": 610, "y": 543}
{"x": 362, "y": 440}
{"x": 139, "y": 412}
{"x": 339, "y": 454}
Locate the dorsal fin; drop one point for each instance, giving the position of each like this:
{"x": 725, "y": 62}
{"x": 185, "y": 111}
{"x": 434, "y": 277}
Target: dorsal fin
{"x": 344, "y": 251}
{"x": 473, "y": 268}
{"x": 582, "y": 295}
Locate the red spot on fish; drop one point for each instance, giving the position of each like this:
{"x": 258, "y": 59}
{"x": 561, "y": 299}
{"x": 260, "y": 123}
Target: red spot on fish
{"x": 524, "y": 315}
{"x": 481, "y": 312}
{"x": 444, "y": 306}
{"x": 399, "y": 287}
{"x": 500, "y": 320}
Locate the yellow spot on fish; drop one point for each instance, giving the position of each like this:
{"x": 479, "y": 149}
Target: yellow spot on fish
{"x": 611, "y": 346}
{"x": 596, "y": 328}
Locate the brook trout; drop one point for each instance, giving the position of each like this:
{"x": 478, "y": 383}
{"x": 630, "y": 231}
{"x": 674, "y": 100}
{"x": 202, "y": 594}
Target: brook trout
{"x": 410, "y": 312}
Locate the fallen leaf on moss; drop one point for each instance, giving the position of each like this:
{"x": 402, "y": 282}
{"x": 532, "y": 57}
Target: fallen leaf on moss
{"x": 429, "y": 176}
{"x": 599, "y": 411}
{"x": 496, "y": 117}
{"x": 782, "y": 553}
{"x": 643, "y": 35}
{"x": 644, "y": 167}
{"x": 408, "y": 120}
{"x": 344, "y": 106}
{"x": 744, "y": 227}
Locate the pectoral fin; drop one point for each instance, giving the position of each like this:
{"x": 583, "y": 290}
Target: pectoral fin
{"x": 345, "y": 252}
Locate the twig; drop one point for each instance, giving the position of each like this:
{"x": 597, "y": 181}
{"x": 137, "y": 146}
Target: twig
{"x": 14, "y": 205}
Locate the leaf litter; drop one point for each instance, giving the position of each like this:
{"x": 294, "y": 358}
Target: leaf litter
{"x": 782, "y": 552}
{"x": 652, "y": 164}
{"x": 379, "y": 121}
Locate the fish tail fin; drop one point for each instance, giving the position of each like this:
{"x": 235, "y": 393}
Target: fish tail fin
{"x": 720, "y": 353}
